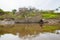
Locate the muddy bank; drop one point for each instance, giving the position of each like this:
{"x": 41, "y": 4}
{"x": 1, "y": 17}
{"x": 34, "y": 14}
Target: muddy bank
{"x": 52, "y": 21}
{"x": 48, "y": 21}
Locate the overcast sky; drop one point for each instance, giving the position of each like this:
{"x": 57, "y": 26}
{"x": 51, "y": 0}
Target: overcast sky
{"x": 39, "y": 4}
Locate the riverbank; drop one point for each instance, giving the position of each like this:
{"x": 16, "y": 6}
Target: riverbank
{"x": 12, "y": 22}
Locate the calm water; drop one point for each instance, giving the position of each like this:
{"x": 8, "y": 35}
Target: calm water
{"x": 27, "y": 29}
{"x": 41, "y": 36}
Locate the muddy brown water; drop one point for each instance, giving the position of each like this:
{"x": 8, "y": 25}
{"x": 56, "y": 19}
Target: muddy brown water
{"x": 26, "y": 29}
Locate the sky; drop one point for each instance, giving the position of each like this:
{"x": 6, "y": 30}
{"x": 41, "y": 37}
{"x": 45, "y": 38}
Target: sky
{"x": 9, "y": 5}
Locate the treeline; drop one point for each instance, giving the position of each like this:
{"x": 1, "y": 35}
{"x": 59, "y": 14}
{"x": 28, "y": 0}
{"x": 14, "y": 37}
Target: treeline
{"x": 24, "y": 13}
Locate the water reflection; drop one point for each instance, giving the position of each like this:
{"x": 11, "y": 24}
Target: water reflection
{"x": 41, "y": 36}
{"x": 47, "y": 36}
{"x": 9, "y": 37}
{"x": 57, "y": 31}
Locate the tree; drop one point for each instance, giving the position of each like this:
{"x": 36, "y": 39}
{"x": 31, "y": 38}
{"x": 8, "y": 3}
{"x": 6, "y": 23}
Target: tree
{"x": 14, "y": 11}
{"x": 1, "y": 12}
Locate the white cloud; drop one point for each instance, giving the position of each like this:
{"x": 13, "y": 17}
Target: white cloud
{"x": 41, "y": 4}
{"x": 8, "y": 4}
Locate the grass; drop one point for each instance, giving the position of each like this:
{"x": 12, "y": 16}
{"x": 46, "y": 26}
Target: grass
{"x": 44, "y": 15}
{"x": 25, "y": 29}
{"x": 50, "y": 15}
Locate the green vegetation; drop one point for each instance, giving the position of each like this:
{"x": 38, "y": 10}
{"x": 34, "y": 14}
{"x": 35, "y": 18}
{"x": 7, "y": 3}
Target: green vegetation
{"x": 28, "y": 12}
{"x": 25, "y": 29}
{"x": 50, "y": 16}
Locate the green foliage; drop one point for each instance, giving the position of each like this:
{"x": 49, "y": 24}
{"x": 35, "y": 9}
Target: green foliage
{"x": 50, "y": 15}
{"x": 29, "y": 13}
{"x": 14, "y": 11}
{"x": 1, "y": 10}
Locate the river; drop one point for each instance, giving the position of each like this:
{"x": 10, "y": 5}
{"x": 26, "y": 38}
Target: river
{"x": 29, "y": 32}
{"x": 41, "y": 36}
